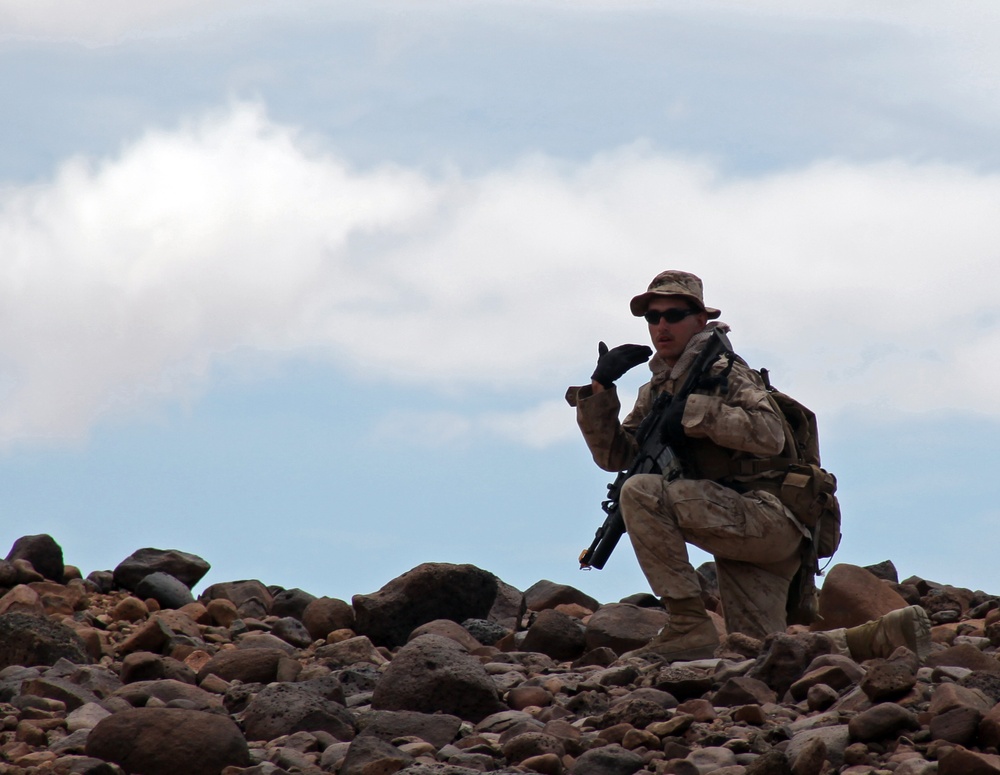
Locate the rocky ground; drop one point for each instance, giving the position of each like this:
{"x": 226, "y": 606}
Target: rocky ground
{"x": 449, "y": 670}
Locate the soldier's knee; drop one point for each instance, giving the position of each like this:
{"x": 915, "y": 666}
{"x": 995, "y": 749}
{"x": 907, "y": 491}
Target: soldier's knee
{"x": 641, "y": 492}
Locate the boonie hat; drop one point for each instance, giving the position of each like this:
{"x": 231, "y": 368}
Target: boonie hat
{"x": 673, "y": 282}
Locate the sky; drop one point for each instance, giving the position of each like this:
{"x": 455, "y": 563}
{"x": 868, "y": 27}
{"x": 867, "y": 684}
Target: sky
{"x": 299, "y": 287}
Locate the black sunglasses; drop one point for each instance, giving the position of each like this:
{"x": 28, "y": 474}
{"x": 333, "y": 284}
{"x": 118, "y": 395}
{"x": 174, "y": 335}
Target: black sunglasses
{"x": 674, "y": 315}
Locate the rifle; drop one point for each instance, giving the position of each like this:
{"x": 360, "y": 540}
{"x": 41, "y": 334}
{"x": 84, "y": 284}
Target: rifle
{"x": 655, "y": 455}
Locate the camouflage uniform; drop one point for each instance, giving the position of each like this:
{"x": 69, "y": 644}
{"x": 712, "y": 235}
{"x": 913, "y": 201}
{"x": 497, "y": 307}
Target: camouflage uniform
{"x": 735, "y": 517}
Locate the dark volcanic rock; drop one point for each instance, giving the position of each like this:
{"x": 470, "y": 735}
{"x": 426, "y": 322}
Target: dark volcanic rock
{"x": 33, "y": 640}
{"x": 428, "y": 592}
{"x": 188, "y": 568}
{"x": 433, "y": 674}
{"x": 286, "y": 708}
{"x": 168, "y": 591}
{"x": 290, "y": 602}
{"x": 169, "y": 741}
{"x": 44, "y": 554}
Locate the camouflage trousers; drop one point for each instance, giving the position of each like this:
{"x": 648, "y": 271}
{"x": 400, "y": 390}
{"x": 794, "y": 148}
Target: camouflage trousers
{"x": 753, "y": 538}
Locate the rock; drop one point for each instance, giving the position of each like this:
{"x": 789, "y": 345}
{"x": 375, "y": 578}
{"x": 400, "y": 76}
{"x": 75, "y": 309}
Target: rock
{"x": 438, "y": 729}
{"x": 888, "y": 680}
{"x": 607, "y": 760}
{"x": 743, "y": 691}
{"x": 188, "y": 568}
{"x": 448, "y": 629}
{"x": 44, "y": 554}
{"x": 852, "y": 595}
{"x": 964, "y": 656}
{"x": 28, "y": 640}
{"x": 350, "y": 652}
{"x": 428, "y": 592}
{"x": 292, "y": 631}
{"x": 246, "y": 665}
{"x": 958, "y": 725}
{"x": 326, "y": 614}
{"x": 291, "y": 602}
{"x": 784, "y": 658}
{"x": 547, "y": 594}
{"x": 168, "y": 741}
{"x": 251, "y": 598}
{"x": 286, "y": 708}
{"x": 555, "y": 634}
{"x": 484, "y": 631}
{"x": 623, "y": 627}
{"x": 885, "y": 720}
{"x": 167, "y": 590}
{"x": 369, "y": 755}
{"x": 434, "y": 674}
{"x": 960, "y": 761}
{"x": 168, "y": 692}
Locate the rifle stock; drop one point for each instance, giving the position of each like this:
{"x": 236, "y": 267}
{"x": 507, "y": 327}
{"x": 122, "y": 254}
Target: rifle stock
{"x": 654, "y": 456}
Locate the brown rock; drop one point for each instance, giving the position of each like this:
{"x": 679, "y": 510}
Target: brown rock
{"x": 129, "y": 609}
{"x": 448, "y": 629}
{"x": 852, "y": 595}
{"x": 964, "y": 656}
{"x": 623, "y": 627}
{"x": 546, "y": 594}
{"x": 555, "y": 634}
{"x": 888, "y": 680}
{"x": 960, "y": 761}
{"x": 885, "y": 720}
{"x": 958, "y": 725}
{"x": 168, "y": 741}
{"x": 22, "y": 599}
{"x": 327, "y": 614}
{"x": 246, "y": 665}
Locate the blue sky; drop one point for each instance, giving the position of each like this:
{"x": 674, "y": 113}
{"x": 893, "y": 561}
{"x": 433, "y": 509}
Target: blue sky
{"x": 298, "y": 288}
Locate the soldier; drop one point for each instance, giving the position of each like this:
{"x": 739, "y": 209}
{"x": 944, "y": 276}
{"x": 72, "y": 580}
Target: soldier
{"x": 738, "y": 518}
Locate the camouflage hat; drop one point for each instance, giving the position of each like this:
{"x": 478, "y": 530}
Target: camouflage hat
{"x": 673, "y": 283}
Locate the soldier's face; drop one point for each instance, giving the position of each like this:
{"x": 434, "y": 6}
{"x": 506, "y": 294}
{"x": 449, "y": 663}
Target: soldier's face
{"x": 670, "y": 339}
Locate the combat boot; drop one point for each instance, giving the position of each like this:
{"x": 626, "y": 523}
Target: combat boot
{"x": 690, "y": 633}
{"x": 910, "y": 627}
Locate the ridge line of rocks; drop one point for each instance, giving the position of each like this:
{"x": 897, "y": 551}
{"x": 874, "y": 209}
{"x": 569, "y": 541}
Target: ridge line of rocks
{"x": 447, "y": 669}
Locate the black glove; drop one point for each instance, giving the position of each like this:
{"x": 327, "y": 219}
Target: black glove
{"x": 611, "y": 364}
{"x": 673, "y": 431}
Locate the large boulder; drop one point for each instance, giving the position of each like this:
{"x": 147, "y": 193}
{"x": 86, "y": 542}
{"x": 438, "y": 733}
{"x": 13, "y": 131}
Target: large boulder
{"x": 168, "y": 741}
{"x": 44, "y": 554}
{"x": 188, "y": 568}
{"x": 852, "y": 595}
{"x": 428, "y": 592}
{"x": 434, "y": 674}
{"x": 35, "y": 640}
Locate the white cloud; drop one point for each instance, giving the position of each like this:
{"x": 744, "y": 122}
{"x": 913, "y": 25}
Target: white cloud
{"x": 124, "y": 280}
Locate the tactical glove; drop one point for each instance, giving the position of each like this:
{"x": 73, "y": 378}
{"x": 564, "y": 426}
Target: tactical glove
{"x": 611, "y": 364}
{"x": 673, "y": 430}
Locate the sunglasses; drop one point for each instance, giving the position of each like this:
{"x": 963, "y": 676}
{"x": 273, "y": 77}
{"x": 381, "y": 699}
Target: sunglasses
{"x": 675, "y": 315}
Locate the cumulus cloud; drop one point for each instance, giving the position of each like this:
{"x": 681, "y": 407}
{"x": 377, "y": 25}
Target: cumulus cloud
{"x": 125, "y": 279}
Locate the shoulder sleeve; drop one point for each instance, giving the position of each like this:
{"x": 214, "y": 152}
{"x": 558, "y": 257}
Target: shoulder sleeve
{"x": 742, "y": 419}
{"x": 611, "y": 442}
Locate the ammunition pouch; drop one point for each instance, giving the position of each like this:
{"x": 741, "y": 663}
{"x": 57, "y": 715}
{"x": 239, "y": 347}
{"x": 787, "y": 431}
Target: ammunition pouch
{"x": 809, "y": 492}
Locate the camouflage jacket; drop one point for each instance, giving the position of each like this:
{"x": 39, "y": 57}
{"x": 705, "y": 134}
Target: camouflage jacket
{"x": 723, "y": 428}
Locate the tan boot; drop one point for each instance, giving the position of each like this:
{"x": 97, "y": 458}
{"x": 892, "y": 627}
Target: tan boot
{"x": 908, "y": 627}
{"x": 690, "y": 633}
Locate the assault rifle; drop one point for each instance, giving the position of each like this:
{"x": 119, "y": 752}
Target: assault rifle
{"x": 655, "y": 455}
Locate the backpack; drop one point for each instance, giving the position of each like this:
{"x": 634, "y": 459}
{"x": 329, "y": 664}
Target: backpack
{"x": 807, "y": 490}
